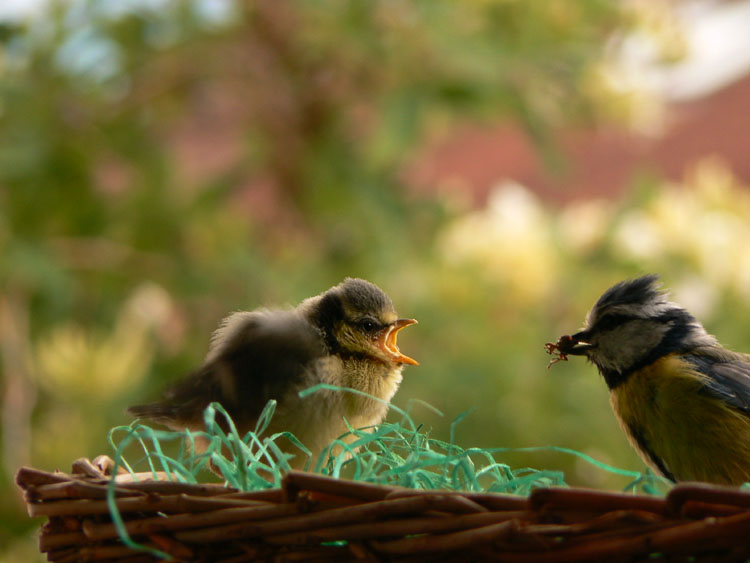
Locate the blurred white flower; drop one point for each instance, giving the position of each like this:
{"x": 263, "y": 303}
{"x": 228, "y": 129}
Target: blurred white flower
{"x": 703, "y": 224}
{"x": 697, "y": 295}
{"x": 637, "y": 236}
{"x": 583, "y": 225}
{"x": 98, "y": 365}
{"x": 150, "y": 303}
{"x": 509, "y": 242}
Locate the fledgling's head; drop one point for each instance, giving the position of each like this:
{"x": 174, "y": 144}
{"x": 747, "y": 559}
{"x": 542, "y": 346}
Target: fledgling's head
{"x": 633, "y": 324}
{"x": 358, "y": 319}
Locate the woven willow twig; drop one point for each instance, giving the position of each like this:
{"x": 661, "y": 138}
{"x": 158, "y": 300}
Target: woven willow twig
{"x": 319, "y": 518}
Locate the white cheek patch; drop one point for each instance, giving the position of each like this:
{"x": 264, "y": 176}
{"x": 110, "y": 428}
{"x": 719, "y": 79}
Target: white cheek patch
{"x": 624, "y": 346}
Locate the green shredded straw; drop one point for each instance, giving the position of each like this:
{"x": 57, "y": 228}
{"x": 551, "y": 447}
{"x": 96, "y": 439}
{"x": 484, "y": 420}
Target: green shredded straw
{"x": 400, "y": 453}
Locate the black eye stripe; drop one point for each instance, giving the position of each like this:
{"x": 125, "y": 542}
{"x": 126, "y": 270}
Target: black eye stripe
{"x": 610, "y": 321}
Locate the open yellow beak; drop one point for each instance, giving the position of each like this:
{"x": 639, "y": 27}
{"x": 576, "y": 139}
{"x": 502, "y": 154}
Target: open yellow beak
{"x": 387, "y": 342}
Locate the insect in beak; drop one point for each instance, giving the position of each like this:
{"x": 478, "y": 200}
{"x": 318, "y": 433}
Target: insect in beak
{"x": 575, "y": 345}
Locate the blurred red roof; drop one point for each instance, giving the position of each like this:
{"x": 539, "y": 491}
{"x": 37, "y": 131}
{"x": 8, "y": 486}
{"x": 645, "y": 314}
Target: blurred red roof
{"x": 597, "y": 163}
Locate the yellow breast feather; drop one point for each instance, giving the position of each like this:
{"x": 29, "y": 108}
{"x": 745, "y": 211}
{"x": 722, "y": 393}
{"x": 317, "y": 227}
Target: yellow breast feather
{"x": 684, "y": 432}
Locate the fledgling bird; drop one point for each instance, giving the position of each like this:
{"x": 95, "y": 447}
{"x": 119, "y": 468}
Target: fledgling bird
{"x": 682, "y": 399}
{"x": 345, "y": 336}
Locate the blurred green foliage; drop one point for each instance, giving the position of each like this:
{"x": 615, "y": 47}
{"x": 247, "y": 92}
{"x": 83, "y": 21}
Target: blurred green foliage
{"x": 162, "y": 164}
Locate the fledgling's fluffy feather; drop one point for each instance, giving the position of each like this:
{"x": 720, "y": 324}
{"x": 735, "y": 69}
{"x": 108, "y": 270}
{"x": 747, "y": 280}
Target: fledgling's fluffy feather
{"x": 344, "y": 337}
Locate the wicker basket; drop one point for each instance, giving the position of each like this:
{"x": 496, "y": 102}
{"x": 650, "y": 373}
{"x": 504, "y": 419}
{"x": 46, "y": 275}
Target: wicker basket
{"x": 318, "y": 518}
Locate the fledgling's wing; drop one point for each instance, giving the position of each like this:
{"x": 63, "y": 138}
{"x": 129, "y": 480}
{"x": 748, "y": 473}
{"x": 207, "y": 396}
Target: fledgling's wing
{"x": 253, "y": 358}
{"x": 728, "y": 378}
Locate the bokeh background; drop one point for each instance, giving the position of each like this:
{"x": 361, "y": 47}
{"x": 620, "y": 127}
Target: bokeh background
{"x": 494, "y": 165}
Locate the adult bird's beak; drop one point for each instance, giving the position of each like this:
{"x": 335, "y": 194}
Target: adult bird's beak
{"x": 576, "y": 344}
{"x": 387, "y": 342}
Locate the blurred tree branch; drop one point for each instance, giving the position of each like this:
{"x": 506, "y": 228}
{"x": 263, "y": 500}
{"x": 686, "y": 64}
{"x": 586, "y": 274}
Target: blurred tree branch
{"x": 19, "y": 390}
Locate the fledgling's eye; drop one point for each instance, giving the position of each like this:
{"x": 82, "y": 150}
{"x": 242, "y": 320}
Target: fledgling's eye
{"x": 368, "y": 325}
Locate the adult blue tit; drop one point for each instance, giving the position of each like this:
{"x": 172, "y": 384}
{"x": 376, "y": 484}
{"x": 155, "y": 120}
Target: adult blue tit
{"x": 682, "y": 399}
{"x": 345, "y": 337}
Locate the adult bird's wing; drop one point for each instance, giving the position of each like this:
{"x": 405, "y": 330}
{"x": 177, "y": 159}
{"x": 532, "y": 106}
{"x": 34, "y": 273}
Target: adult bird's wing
{"x": 728, "y": 378}
{"x": 254, "y": 357}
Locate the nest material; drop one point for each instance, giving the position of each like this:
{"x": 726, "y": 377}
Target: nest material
{"x": 313, "y": 517}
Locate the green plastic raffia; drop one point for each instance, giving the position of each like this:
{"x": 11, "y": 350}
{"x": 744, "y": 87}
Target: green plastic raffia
{"x": 399, "y": 453}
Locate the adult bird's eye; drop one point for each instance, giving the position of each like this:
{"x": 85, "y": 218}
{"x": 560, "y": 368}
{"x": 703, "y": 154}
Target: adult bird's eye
{"x": 610, "y": 321}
